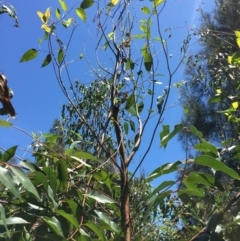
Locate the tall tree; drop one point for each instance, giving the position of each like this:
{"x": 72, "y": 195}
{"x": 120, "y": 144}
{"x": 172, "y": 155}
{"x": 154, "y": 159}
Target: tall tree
{"x": 208, "y": 72}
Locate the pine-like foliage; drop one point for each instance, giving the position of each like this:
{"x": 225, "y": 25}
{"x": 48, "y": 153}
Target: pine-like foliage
{"x": 208, "y": 70}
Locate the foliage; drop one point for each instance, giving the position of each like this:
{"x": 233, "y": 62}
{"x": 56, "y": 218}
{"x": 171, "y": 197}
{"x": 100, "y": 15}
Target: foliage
{"x": 80, "y": 187}
{"x": 210, "y": 101}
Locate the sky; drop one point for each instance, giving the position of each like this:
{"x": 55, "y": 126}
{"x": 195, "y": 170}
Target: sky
{"x": 37, "y": 97}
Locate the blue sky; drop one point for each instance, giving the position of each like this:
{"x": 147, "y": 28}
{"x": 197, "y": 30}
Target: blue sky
{"x": 37, "y": 96}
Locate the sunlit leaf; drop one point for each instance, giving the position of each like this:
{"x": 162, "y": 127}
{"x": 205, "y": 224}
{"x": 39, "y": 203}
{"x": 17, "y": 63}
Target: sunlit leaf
{"x": 63, "y": 5}
{"x": 47, "y": 13}
{"x": 25, "y": 181}
{"x": 99, "y": 197}
{"x": 112, "y": 225}
{"x": 81, "y": 14}
{"x": 114, "y": 2}
{"x": 46, "y": 28}
{"x": 145, "y": 10}
{"x": 84, "y": 155}
{"x": 80, "y": 160}
{"x": 235, "y": 105}
{"x": 157, "y": 2}
{"x": 41, "y": 16}
{"x": 67, "y": 23}
{"x": 206, "y": 147}
{"x": 7, "y": 180}
{"x": 58, "y": 13}
{"x": 4, "y": 123}
{"x": 14, "y": 220}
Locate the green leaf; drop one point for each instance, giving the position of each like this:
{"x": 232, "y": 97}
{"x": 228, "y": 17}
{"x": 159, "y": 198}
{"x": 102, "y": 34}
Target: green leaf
{"x": 3, "y": 218}
{"x": 227, "y": 142}
{"x": 42, "y": 179}
{"x": 130, "y": 102}
{"x": 165, "y": 139}
{"x": 86, "y": 4}
{"x": 191, "y": 192}
{"x": 157, "y": 2}
{"x": 140, "y": 107}
{"x": 200, "y": 178}
{"x": 63, "y": 5}
{"x": 14, "y": 220}
{"x": 185, "y": 109}
{"x": 162, "y": 170}
{"x": 84, "y": 235}
{"x": 69, "y": 217}
{"x": 54, "y": 224}
{"x": 73, "y": 205}
{"x": 7, "y": 180}
{"x": 211, "y": 162}
{"x": 214, "y": 220}
{"x": 58, "y": 13}
{"x": 138, "y": 36}
{"x": 147, "y": 56}
{"x": 145, "y": 10}
{"x": 81, "y": 14}
{"x": 206, "y": 147}
{"x": 67, "y": 23}
{"x": 99, "y": 197}
{"x": 96, "y": 229}
{"x": 112, "y": 225}
{"x": 161, "y": 197}
{"x": 162, "y": 186}
{"x": 47, "y": 60}
{"x": 129, "y": 64}
{"x": 52, "y": 236}
{"x": 165, "y": 131}
{"x": 132, "y": 125}
{"x": 51, "y": 195}
{"x": 62, "y": 172}
{"x": 84, "y": 155}
{"x": 125, "y": 126}
{"x": 8, "y": 154}
{"x": 4, "y": 123}
{"x": 25, "y": 181}
{"x": 215, "y": 99}
{"x": 60, "y": 56}
{"x": 196, "y": 132}
{"x": 29, "y": 55}
{"x": 30, "y": 166}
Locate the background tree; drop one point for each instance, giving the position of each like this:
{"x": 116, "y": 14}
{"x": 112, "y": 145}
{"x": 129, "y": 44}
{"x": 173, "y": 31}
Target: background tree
{"x": 210, "y": 101}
